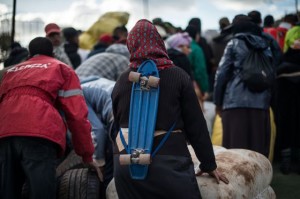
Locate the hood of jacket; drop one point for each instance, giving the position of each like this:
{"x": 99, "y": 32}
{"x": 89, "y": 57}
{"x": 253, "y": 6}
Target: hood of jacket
{"x": 118, "y": 49}
{"x": 253, "y": 41}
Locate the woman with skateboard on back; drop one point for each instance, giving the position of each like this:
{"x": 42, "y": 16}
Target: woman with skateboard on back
{"x": 171, "y": 172}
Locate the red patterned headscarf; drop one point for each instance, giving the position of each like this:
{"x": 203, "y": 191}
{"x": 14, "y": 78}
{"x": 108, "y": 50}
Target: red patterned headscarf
{"x": 144, "y": 42}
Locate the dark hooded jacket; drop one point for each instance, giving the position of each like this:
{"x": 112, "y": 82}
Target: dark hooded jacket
{"x": 181, "y": 60}
{"x": 16, "y": 56}
{"x": 71, "y": 50}
{"x": 230, "y": 90}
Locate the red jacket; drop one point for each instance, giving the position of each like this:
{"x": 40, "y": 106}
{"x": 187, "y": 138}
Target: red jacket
{"x": 272, "y": 31}
{"x": 31, "y": 94}
{"x": 281, "y": 32}
{"x": 278, "y": 34}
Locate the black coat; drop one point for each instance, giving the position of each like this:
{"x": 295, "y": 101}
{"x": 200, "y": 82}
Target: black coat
{"x": 16, "y": 56}
{"x": 181, "y": 60}
{"x": 230, "y": 91}
{"x": 71, "y": 50}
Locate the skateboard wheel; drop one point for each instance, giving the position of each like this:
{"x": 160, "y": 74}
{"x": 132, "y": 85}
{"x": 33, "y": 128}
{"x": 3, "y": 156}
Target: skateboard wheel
{"x": 125, "y": 159}
{"x": 134, "y": 76}
{"x": 144, "y": 159}
{"x": 153, "y": 81}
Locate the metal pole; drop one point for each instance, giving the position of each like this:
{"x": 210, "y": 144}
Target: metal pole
{"x": 13, "y": 22}
{"x": 297, "y": 12}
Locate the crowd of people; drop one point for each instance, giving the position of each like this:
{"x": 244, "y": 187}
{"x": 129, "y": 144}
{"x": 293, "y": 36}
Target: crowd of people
{"x": 52, "y": 87}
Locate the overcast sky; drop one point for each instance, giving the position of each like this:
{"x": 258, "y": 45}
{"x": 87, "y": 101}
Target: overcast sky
{"x": 81, "y": 14}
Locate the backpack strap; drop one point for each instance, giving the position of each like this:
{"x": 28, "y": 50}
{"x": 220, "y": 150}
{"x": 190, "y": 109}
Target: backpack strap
{"x": 124, "y": 142}
{"x": 167, "y": 135}
{"x": 165, "y": 138}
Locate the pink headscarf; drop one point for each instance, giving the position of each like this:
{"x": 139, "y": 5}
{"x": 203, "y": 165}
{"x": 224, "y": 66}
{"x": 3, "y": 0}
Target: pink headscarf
{"x": 144, "y": 42}
{"x": 179, "y": 39}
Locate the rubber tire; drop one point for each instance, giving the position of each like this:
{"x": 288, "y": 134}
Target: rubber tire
{"x": 153, "y": 81}
{"x": 145, "y": 159}
{"x": 134, "y": 76}
{"x": 72, "y": 161}
{"x": 125, "y": 159}
{"x": 79, "y": 184}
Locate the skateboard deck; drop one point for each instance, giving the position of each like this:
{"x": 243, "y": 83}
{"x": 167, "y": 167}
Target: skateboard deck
{"x": 142, "y": 119}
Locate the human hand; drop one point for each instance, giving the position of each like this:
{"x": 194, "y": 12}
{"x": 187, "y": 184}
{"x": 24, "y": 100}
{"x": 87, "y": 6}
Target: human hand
{"x": 296, "y": 44}
{"x": 205, "y": 96}
{"x": 99, "y": 170}
{"x": 216, "y": 174}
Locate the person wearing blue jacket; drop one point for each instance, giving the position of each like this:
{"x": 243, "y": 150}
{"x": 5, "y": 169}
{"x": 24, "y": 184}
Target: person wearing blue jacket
{"x": 245, "y": 114}
{"x": 97, "y": 94}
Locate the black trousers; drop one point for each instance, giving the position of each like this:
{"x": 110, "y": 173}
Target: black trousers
{"x": 288, "y": 114}
{"x": 171, "y": 173}
{"x": 31, "y": 159}
{"x": 247, "y": 128}
{"x": 168, "y": 177}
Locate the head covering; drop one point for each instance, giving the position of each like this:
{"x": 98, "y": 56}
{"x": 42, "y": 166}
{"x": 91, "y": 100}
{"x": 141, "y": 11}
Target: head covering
{"x": 291, "y": 19}
{"x": 192, "y": 31}
{"x": 106, "y": 39}
{"x": 243, "y": 24}
{"x": 269, "y": 21}
{"x": 178, "y": 39}
{"x": 70, "y": 33}
{"x": 224, "y": 22}
{"x": 40, "y": 46}
{"x": 144, "y": 43}
{"x": 157, "y": 21}
{"x": 15, "y": 45}
{"x": 196, "y": 22}
{"x": 52, "y": 28}
{"x": 120, "y": 33}
{"x": 255, "y": 16}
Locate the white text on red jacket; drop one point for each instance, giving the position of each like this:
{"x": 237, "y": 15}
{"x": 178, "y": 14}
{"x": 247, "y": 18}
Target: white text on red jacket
{"x": 22, "y": 67}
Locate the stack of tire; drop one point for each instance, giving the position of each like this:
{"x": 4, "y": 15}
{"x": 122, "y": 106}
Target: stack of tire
{"x": 76, "y": 181}
{"x": 80, "y": 183}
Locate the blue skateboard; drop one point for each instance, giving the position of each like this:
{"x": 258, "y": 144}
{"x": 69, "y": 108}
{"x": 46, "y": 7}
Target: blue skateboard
{"x": 142, "y": 119}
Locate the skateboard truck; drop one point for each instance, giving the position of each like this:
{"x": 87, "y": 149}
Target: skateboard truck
{"x": 144, "y": 83}
{"x": 135, "y": 156}
{"x": 138, "y": 156}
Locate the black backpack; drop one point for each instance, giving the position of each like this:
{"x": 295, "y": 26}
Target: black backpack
{"x": 258, "y": 70}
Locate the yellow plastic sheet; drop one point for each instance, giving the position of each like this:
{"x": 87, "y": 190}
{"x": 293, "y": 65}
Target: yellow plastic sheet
{"x": 217, "y": 134}
{"x": 105, "y": 24}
